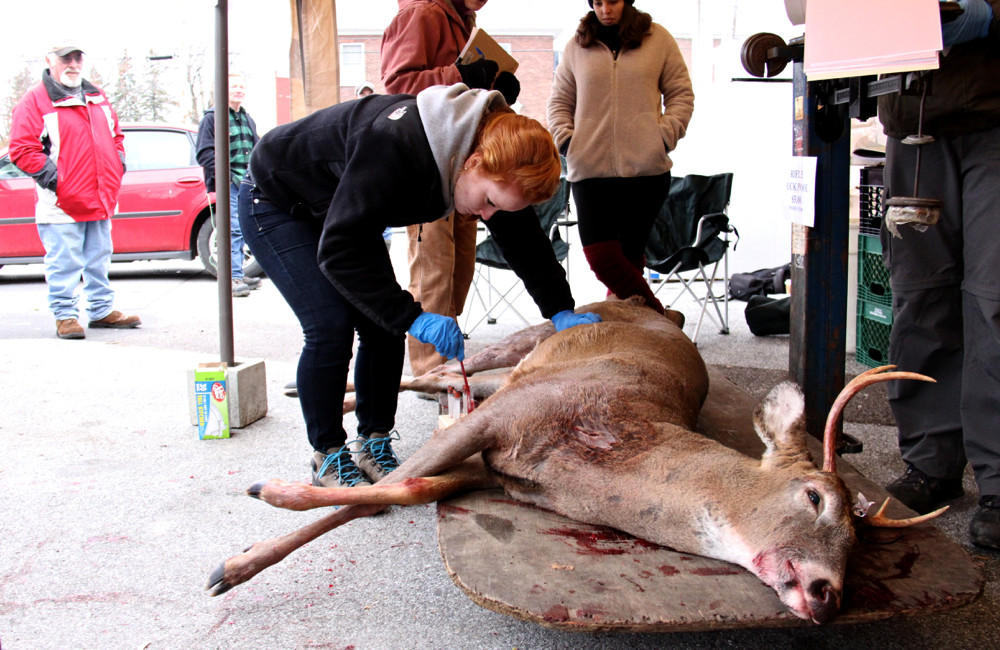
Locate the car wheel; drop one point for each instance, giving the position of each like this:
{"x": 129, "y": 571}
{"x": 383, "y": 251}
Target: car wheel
{"x": 251, "y": 266}
{"x": 206, "y": 246}
{"x": 207, "y": 253}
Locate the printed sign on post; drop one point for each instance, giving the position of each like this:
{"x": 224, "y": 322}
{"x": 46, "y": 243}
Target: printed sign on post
{"x": 800, "y": 191}
{"x": 211, "y": 403}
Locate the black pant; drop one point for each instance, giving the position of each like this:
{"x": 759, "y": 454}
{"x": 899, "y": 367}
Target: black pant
{"x": 620, "y": 209}
{"x": 946, "y": 308}
{"x": 286, "y": 248}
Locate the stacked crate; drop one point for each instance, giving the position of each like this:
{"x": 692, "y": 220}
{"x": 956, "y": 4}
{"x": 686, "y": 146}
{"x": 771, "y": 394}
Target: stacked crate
{"x": 874, "y": 294}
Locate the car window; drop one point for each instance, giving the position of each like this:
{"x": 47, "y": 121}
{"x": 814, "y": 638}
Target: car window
{"x": 158, "y": 150}
{"x": 9, "y": 170}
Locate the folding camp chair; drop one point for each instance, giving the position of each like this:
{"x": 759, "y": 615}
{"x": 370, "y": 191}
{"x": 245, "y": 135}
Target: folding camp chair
{"x": 690, "y": 240}
{"x": 495, "y": 287}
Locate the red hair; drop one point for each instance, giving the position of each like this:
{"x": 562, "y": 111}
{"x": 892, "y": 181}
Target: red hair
{"x": 516, "y": 149}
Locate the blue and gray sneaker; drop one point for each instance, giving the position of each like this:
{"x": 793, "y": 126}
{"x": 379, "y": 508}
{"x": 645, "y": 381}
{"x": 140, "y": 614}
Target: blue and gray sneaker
{"x": 336, "y": 468}
{"x": 374, "y": 454}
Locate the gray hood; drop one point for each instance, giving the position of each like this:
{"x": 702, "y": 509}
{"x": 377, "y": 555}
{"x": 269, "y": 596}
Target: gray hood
{"x": 450, "y": 116}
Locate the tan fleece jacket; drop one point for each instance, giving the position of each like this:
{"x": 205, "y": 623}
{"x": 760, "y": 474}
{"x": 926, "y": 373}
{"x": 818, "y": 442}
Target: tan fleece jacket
{"x": 624, "y": 115}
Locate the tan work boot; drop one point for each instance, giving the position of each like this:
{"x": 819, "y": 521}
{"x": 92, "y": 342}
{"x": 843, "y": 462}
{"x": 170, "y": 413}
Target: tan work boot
{"x": 336, "y": 468}
{"x": 116, "y": 320}
{"x": 69, "y": 328}
{"x": 374, "y": 455}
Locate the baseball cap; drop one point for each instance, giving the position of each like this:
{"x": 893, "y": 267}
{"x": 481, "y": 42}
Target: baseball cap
{"x": 63, "y": 50}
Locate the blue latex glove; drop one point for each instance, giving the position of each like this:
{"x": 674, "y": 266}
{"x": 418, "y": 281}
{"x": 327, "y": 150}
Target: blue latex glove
{"x": 440, "y": 331}
{"x": 972, "y": 24}
{"x": 568, "y": 318}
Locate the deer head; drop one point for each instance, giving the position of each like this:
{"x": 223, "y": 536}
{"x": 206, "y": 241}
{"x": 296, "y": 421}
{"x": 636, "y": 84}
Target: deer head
{"x": 800, "y": 549}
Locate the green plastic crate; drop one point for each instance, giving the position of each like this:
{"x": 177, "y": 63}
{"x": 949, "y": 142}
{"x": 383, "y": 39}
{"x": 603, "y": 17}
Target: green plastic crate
{"x": 873, "y": 277}
{"x": 874, "y": 326}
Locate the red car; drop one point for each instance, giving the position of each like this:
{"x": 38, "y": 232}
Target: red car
{"x": 164, "y": 211}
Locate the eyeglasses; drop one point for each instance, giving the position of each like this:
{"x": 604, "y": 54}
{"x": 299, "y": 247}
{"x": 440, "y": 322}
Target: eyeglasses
{"x": 71, "y": 57}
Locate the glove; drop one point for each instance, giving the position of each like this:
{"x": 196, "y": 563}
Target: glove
{"x": 440, "y": 331}
{"x": 568, "y": 318}
{"x": 508, "y": 85}
{"x": 973, "y": 23}
{"x": 478, "y": 74}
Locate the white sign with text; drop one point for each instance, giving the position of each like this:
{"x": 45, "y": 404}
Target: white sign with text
{"x": 800, "y": 191}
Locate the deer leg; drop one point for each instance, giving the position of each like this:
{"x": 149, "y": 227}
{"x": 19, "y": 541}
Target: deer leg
{"x": 505, "y": 353}
{"x": 470, "y": 475}
{"x": 482, "y": 385}
{"x": 240, "y": 568}
{"x": 446, "y": 449}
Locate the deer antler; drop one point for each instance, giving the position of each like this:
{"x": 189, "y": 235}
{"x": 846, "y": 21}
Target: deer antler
{"x": 879, "y": 519}
{"x": 863, "y": 380}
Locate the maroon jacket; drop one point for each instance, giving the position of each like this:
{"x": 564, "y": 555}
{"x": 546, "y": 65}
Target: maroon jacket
{"x": 71, "y": 146}
{"x": 421, "y": 45}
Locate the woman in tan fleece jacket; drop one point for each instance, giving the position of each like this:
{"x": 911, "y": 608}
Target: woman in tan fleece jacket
{"x": 621, "y": 100}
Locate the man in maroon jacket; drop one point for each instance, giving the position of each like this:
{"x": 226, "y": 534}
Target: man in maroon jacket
{"x": 65, "y": 135}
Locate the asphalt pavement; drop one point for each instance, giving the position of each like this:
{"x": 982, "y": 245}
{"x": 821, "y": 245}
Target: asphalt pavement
{"x": 114, "y": 513}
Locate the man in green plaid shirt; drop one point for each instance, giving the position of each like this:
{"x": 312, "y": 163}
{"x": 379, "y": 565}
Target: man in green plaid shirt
{"x": 242, "y": 138}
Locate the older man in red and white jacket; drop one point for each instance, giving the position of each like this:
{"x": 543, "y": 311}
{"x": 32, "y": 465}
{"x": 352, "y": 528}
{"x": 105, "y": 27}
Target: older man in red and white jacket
{"x": 65, "y": 135}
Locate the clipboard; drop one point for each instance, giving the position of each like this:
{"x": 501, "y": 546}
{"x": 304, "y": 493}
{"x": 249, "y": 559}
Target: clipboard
{"x": 481, "y": 45}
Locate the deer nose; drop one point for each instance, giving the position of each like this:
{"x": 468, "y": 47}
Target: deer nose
{"x": 826, "y": 600}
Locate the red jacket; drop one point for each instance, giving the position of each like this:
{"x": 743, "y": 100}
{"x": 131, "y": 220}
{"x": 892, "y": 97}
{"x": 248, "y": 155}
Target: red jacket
{"x": 73, "y": 147}
{"x": 421, "y": 45}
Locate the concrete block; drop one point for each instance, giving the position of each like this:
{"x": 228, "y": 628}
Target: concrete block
{"x": 246, "y": 384}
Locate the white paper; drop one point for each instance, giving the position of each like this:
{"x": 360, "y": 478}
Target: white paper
{"x": 800, "y": 191}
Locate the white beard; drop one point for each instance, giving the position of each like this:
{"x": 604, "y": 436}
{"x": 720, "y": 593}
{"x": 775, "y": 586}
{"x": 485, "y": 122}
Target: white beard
{"x": 69, "y": 81}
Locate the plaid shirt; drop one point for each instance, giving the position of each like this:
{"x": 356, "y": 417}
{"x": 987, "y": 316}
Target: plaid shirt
{"x": 240, "y": 144}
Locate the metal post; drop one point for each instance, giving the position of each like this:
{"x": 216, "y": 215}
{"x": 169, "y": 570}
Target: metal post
{"x": 819, "y": 254}
{"x": 223, "y": 261}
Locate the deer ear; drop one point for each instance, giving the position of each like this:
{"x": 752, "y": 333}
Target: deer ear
{"x": 779, "y": 421}
{"x": 675, "y": 316}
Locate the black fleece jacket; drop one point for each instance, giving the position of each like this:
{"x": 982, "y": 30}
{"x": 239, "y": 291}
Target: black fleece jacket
{"x": 363, "y": 165}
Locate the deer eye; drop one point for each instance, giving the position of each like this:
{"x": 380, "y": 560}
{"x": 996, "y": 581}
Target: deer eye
{"x": 813, "y": 497}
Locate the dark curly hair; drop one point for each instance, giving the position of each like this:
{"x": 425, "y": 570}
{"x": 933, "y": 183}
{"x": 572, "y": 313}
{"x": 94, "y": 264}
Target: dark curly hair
{"x": 633, "y": 27}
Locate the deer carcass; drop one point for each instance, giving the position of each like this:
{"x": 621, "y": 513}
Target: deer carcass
{"x": 597, "y": 423}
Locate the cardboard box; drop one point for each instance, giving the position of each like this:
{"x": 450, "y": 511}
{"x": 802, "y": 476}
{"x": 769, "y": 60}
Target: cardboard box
{"x": 211, "y": 402}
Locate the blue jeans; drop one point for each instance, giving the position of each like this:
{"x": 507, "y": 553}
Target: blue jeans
{"x": 286, "y": 249}
{"x": 73, "y": 250}
{"x": 235, "y": 232}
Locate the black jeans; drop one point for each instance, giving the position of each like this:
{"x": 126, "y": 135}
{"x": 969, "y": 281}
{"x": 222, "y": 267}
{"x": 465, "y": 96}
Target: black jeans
{"x": 286, "y": 249}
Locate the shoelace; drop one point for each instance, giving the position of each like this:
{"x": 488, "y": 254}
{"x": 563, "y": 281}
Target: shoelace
{"x": 347, "y": 471}
{"x": 381, "y": 451}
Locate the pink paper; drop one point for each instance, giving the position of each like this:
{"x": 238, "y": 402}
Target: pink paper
{"x": 850, "y": 38}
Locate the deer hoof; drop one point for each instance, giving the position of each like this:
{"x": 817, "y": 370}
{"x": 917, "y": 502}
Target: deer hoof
{"x": 254, "y": 490}
{"x": 217, "y": 584}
